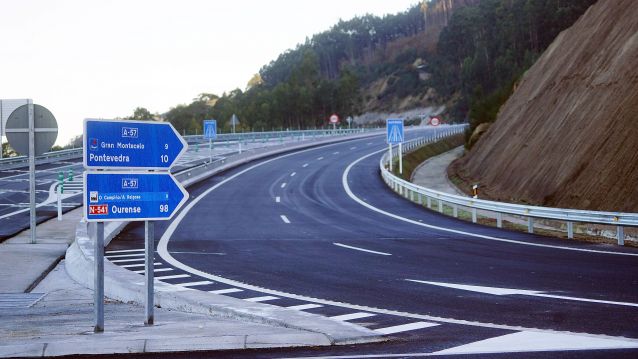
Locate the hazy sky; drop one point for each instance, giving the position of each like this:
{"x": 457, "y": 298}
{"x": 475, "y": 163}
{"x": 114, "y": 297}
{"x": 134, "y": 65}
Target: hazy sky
{"x": 102, "y": 59}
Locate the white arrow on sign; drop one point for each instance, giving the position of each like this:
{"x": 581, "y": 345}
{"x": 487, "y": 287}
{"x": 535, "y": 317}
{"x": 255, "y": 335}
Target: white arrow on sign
{"x": 507, "y": 291}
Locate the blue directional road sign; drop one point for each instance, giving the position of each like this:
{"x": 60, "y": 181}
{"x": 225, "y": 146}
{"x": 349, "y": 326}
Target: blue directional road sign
{"x": 131, "y": 196}
{"x": 113, "y": 144}
{"x": 394, "y": 127}
{"x": 210, "y": 129}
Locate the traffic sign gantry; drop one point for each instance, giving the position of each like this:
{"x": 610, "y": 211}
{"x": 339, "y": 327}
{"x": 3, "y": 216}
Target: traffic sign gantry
{"x": 113, "y": 144}
{"x": 394, "y": 129}
{"x": 131, "y": 196}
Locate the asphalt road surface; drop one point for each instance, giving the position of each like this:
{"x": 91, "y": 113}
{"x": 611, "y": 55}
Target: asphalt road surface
{"x": 318, "y": 230}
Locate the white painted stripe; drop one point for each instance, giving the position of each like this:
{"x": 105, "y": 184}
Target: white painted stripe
{"x": 405, "y": 327}
{"x": 127, "y": 260}
{"x": 125, "y": 251}
{"x": 261, "y": 299}
{"x": 195, "y": 284}
{"x": 346, "y": 186}
{"x": 353, "y": 316}
{"x": 283, "y": 185}
{"x": 285, "y": 219}
{"x": 320, "y": 158}
{"x": 361, "y": 249}
{"x": 277, "y": 199}
{"x": 176, "y": 276}
{"x": 156, "y": 270}
{"x": 335, "y": 153}
{"x": 293, "y": 174}
{"x": 126, "y": 255}
{"x": 139, "y": 265}
{"x": 226, "y": 291}
{"x": 305, "y": 306}
{"x": 304, "y": 165}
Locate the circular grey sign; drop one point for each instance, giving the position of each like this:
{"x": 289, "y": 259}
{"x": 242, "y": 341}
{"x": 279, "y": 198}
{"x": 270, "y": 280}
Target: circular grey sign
{"x": 17, "y": 129}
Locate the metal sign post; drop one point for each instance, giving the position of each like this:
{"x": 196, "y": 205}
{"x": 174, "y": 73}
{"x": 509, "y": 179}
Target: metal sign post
{"x": 32, "y": 219}
{"x": 390, "y": 155}
{"x": 98, "y": 283}
{"x": 149, "y": 256}
{"x": 401, "y": 158}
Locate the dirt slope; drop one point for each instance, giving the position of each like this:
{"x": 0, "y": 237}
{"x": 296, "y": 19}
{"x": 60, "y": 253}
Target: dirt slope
{"x": 568, "y": 136}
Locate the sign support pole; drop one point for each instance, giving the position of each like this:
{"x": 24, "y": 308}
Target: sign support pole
{"x": 1, "y": 129}
{"x": 210, "y": 150}
{"x": 390, "y": 157}
{"x": 98, "y": 284}
{"x": 400, "y": 157}
{"x": 149, "y": 234}
{"x": 32, "y": 216}
{"x": 59, "y": 202}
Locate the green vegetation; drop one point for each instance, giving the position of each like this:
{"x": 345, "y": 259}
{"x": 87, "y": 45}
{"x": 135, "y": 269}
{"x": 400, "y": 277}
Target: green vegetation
{"x": 413, "y": 159}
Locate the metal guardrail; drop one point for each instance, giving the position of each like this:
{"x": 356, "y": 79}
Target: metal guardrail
{"x": 421, "y": 194}
{"x": 21, "y": 161}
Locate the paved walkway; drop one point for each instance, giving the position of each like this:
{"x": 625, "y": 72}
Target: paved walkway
{"x": 433, "y": 172}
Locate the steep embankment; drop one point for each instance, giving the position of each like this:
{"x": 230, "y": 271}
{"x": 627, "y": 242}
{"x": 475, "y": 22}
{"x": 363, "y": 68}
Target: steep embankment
{"x": 568, "y": 136}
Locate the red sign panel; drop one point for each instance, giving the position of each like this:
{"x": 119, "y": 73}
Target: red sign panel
{"x": 99, "y": 209}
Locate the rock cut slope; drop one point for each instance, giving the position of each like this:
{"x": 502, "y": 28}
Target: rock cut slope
{"x": 568, "y": 136}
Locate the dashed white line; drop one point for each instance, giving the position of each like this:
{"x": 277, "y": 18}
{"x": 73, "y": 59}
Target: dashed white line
{"x": 293, "y": 174}
{"x": 226, "y": 291}
{"x": 405, "y": 327}
{"x": 195, "y": 284}
{"x": 176, "y": 276}
{"x": 362, "y": 249}
{"x": 277, "y": 199}
{"x": 305, "y": 165}
{"x": 139, "y": 265}
{"x": 125, "y": 251}
{"x": 261, "y": 299}
{"x": 127, "y": 260}
{"x": 125, "y": 255}
{"x": 353, "y": 148}
{"x": 285, "y": 219}
{"x": 154, "y": 270}
{"x": 353, "y": 316}
{"x": 335, "y": 153}
{"x": 305, "y": 306}
{"x": 320, "y": 158}
{"x": 283, "y": 185}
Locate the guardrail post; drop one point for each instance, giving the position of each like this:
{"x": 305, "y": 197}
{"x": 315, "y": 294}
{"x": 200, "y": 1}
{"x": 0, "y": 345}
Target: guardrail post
{"x": 499, "y": 220}
{"x": 570, "y": 230}
{"x": 473, "y": 215}
{"x": 530, "y": 225}
{"x": 420, "y": 198}
{"x": 440, "y": 206}
{"x": 429, "y": 201}
{"x": 455, "y": 211}
{"x": 411, "y": 196}
{"x": 620, "y": 234}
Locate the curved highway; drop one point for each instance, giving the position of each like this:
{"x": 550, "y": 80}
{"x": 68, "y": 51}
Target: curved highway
{"x": 318, "y": 230}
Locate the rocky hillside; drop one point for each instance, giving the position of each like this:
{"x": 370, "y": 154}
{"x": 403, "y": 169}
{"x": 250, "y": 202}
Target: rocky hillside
{"x": 568, "y": 136}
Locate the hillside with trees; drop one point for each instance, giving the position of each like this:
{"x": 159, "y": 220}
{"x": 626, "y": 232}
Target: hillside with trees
{"x": 464, "y": 54}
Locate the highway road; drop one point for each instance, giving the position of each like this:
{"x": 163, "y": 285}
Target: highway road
{"x": 317, "y": 230}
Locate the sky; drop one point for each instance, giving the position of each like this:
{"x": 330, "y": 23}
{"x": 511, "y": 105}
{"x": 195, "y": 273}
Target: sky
{"x": 102, "y": 59}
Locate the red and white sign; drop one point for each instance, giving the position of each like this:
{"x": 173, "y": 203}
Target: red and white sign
{"x": 435, "y": 121}
{"x": 334, "y": 118}
{"x": 99, "y": 209}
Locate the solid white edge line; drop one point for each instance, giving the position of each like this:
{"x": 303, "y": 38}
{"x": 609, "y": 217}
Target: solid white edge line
{"x": 285, "y": 219}
{"x": 361, "y": 249}
{"x": 346, "y": 186}
{"x": 162, "y": 250}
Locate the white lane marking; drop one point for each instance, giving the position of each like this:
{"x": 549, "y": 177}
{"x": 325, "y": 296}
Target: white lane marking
{"x": 346, "y": 186}
{"x": 361, "y": 249}
{"x": 304, "y": 165}
{"x": 320, "y": 158}
{"x": 353, "y": 148}
{"x": 335, "y": 153}
{"x": 405, "y": 327}
{"x": 508, "y": 291}
{"x": 127, "y": 260}
{"x": 277, "y": 199}
{"x": 293, "y": 174}
{"x": 162, "y": 250}
{"x": 264, "y": 298}
{"x": 353, "y": 316}
{"x": 283, "y": 185}
{"x": 285, "y": 219}
{"x": 305, "y": 306}
{"x": 125, "y": 251}
{"x": 139, "y": 265}
{"x": 527, "y": 341}
{"x": 176, "y": 276}
{"x": 125, "y": 255}
{"x": 226, "y": 291}
{"x": 156, "y": 270}
{"x": 195, "y": 284}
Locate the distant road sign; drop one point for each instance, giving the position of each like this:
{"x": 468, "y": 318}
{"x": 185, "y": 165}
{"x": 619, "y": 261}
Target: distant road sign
{"x": 17, "y": 130}
{"x": 131, "y": 196}
{"x": 435, "y": 121}
{"x": 210, "y": 129}
{"x": 394, "y": 129}
{"x": 131, "y": 144}
{"x": 334, "y": 119}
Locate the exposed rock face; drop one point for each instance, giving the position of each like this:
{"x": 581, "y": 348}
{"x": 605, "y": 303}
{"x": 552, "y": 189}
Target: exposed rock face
{"x": 568, "y": 136}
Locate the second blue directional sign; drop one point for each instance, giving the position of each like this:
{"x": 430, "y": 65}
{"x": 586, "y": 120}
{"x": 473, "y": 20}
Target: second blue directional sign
{"x": 131, "y": 144}
{"x": 131, "y": 196}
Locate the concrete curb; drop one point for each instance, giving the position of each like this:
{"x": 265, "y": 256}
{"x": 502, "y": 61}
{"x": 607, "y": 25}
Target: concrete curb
{"x": 127, "y": 286}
